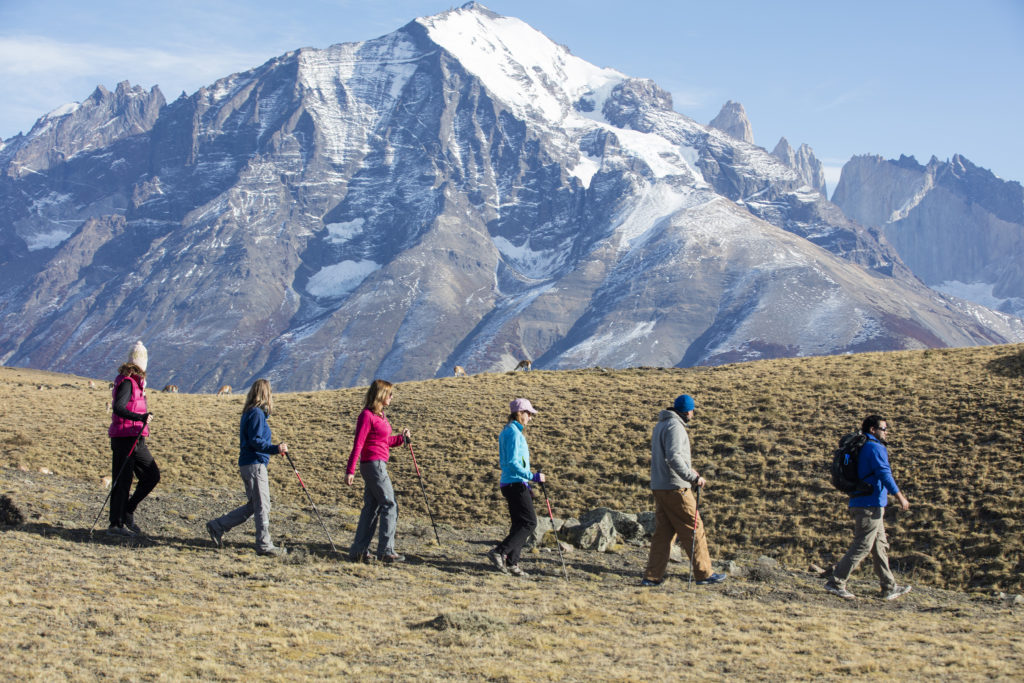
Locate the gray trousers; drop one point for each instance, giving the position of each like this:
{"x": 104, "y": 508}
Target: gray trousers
{"x": 378, "y": 505}
{"x": 868, "y": 537}
{"x": 257, "y": 490}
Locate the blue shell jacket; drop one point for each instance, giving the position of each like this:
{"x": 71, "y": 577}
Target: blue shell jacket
{"x": 873, "y": 468}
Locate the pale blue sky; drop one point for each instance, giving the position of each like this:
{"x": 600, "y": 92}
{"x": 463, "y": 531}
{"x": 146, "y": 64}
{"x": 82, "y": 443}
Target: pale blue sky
{"x": 891, "y": 77}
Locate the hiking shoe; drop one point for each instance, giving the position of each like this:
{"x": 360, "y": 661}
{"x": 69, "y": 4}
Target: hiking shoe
{"x": 895, "y": 592}
{"x": 515, "y": 570}
{"x": 651, "y": 582}
{"x": 118, "y": 530}
{"x": 714, "y": 578}
{"x": 841, "y": 592}
{"x": 129, "y": 523}
{"x": 498, "y": 560}
{"x": 391, "y": 559}
{"x": 365, "y": 558}
{"x": 216, "y": 536}
{"x": 272, "y": 551}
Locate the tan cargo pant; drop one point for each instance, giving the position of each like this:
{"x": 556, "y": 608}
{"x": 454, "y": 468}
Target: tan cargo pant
{"x": 674, "y": 513}
{"x": 868, "y": 537}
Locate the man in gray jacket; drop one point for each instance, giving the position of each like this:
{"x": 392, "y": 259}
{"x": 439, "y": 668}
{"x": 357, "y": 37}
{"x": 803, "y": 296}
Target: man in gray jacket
{"x": 675, "y": 509}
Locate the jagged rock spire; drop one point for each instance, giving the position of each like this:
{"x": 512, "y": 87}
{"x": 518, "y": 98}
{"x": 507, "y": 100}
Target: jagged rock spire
{"x": 733, "y": 121}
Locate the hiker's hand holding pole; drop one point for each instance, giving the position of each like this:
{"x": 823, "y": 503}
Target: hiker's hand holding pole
{"x": 282, "y": 448}
{"x": 539, "y": 477}
{"x": 406, "y": 436}
{"x": 700, "y": 482}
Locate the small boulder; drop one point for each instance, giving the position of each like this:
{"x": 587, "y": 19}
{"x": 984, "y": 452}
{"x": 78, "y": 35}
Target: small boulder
{"x": 596, "y": 534}
{"x": 647, "y": 521}
{"x": 626, "y": 524}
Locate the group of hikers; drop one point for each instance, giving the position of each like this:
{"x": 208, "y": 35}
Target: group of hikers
{"x": 673, "y": 479}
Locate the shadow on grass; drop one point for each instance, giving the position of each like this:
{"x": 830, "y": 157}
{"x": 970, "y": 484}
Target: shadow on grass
{"x": 1008, "y": 366}
{"x": 100, "y": 537}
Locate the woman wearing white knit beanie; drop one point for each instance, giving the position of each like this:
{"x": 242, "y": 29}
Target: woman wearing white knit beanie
{"x": 129, "y": 428}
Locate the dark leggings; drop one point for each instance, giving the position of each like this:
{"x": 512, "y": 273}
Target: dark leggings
{"x": 524, "y": 521}
{"x": 142, "y": 465}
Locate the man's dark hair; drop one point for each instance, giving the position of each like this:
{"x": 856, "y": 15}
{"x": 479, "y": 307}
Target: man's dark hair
{"x": 871, "y": 422}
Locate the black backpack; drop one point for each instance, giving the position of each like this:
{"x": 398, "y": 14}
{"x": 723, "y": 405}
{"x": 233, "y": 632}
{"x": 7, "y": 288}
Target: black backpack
{"x": 844, "y": 465}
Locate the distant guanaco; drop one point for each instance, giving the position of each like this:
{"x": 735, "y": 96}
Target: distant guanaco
{"x": 170, "y": 389}
{"x": 460, "y": 371}
{"x": 524, "y": 365}
{"x": 226, "y": 389}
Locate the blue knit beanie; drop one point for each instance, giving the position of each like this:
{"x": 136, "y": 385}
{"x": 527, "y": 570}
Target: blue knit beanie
{"x": 684, "y": 403}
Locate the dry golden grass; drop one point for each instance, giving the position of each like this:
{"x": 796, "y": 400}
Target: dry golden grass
{"x": 762, "y": 435}
{"x": 171, "y": 607}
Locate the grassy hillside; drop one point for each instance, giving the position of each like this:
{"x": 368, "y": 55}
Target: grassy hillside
{"x": 171, "y": 607}
{"x": 761, "y": 437}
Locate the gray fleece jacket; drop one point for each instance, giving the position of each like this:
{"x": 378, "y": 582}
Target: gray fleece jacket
{"x": 670, "y": 454}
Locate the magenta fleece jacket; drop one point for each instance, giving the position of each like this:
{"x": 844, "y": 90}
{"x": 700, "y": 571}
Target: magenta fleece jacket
{"x": 373, "y": 440}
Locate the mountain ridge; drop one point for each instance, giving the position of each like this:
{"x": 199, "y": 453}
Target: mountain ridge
{"x": 460, "y": 191}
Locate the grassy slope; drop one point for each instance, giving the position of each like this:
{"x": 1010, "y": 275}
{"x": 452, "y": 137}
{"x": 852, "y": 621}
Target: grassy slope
{"x": 761, "y": 438}
{"x": 171, "y": 607}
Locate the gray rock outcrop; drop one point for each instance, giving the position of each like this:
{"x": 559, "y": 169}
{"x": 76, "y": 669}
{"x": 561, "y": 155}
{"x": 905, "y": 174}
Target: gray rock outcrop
{"x": 956, "y": 225}
{"x": 804, "y": 163}
{"x": 732, "y": 120}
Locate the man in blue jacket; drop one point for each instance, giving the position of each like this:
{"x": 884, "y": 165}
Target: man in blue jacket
{"x": 868, "y": 511}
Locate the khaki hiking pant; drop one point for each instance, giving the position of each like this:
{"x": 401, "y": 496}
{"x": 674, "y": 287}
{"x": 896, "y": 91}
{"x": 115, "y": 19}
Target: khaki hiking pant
{"x": 868, "y": 537}
{"x": 674, "y": 513}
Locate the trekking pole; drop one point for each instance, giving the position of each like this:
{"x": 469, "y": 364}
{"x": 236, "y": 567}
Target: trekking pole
{"x": 303, "y": 485}
{"x": 693, "y": 545}
{"x": 113, "y": 484}
{"x": 551, "y": 516}
{"x": 424, "y": 490}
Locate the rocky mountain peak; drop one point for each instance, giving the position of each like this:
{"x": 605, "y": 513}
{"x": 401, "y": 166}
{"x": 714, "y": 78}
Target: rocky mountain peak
{"x": 732, "y": 120}
{"x": 803, "y": 162}
{"x": 98, "y": 121}
{"x": 461, "y": 191}
{"x": 958, "y": 226}
{"x": 632, "y": 100}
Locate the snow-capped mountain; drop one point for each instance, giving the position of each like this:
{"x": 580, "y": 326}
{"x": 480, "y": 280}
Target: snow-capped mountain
{"x": 461, "y": 191}
{"x": 958, "y": 226}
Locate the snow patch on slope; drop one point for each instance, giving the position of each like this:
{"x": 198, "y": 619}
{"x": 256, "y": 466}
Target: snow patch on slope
{"x": 340, "y": 278}
{"x": 339, "y": 233}
{"x": 596, "y": 349}
{"x": 533, "y": 264}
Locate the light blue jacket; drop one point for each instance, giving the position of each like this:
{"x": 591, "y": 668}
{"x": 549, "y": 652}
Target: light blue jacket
{"x": 873, "y": 468}
{"x": 514, "y": 455}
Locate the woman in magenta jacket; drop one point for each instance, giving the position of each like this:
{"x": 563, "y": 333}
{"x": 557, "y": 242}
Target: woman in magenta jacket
{"x": 371, "y": 450}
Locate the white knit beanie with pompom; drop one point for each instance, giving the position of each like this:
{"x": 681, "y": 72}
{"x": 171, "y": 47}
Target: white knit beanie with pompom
{"x": 139, "y": 356}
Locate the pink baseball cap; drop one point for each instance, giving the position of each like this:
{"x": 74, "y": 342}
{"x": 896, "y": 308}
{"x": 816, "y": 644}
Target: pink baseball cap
{"x": 521, "y": 404}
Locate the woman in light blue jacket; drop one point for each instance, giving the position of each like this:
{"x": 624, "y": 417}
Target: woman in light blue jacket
{"x": 514, "y": 457}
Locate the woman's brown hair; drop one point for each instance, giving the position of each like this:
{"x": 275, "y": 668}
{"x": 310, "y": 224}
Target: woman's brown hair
{"x": 376, "y": 395}
{"x": 127, "y": 369}
{"x": 260, "y": 397}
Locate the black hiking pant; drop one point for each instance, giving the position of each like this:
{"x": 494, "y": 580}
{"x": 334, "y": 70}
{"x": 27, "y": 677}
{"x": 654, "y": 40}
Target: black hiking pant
{"x": 142, "y": 465}
{"x": 524, "y": 521}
